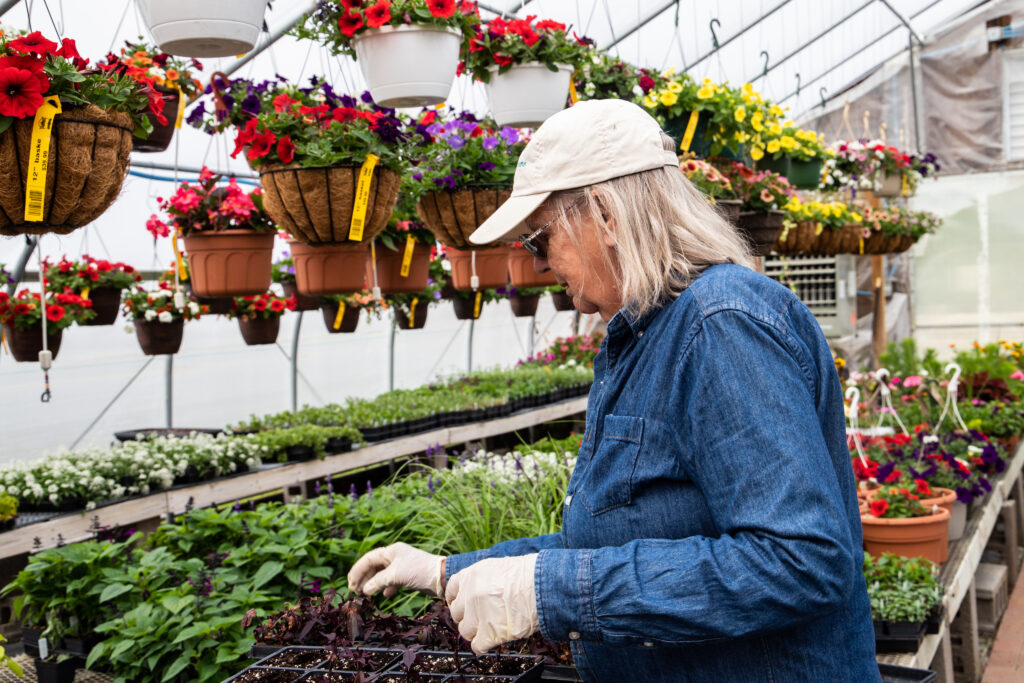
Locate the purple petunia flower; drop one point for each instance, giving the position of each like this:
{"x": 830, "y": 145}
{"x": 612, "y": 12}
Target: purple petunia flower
{"x": 486, "y": 165}
{"x": 455, "y": 142}
{"x": 435, "y": 128}
{"x": 509, "y": 135}
{"x": 195, "y": 117}
{"x": 366, "y": 97}
{"x": 417, "y": 176}
{"x": 251, "y": 104}
{"x": 490, "y": 142}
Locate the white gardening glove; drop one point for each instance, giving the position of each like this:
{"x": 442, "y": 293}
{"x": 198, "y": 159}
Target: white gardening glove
{"x": 398, "y": 565}
{"x": 494, "y": 601}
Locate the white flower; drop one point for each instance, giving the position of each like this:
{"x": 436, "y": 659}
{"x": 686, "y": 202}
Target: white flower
{"x": 150, "y": 314}
{"x": 193, "y": 308}
{"x": 165, "y": 317}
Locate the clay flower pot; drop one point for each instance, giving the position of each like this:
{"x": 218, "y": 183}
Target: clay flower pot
{"x": 521, "y": 272}
{"x": 160, "y": 137}
{"x": 329, "y": 268}
{"x": 562, "y": 301}
{"x": 157, "y": 338}
{"x": 926, "y": 536}
{"x": 256, "y": 331}
{"x": 944, "y": 498}
{"x": 349, "y": 319}
{"x": 453, "y": 215}
{"x": 491, "y": 267}
{"x": 25, "y": 345}
{"x": 524, "y": 305}
{"x": 106, "y": 302}
{"x": 389, "y": 269}
{"x": 760, "y": 229}
{"x": 229, "y": 262}
{"x": 419, "y": 318}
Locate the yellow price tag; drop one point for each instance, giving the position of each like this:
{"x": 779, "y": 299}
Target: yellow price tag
{"x": 476, "y": 305}
{"x": 412, "y": 312}
{"x": 39, "y": 158}
{"x": 339, "y": 316}
{"x": 3, "y": 338}
{"x": 182, "y": 270}
{"x": 355, "y": 232}
{"x": 905, "y": 186}
{"x": 410, "y": 245}
{"x": 861, "y": 245}
{"x": 85, "y": 293}
{"x": 818, "y": 227}
{"x": 691, "y": 128}
{"x": 180, "y": 116}
{"x": 573, "y": 95}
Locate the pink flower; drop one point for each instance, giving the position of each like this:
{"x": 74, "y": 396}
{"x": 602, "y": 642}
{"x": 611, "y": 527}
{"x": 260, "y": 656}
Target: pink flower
{"x": 1017, "y": 375}
{"x": 157, "y": 227}
{"x": 185, "y": 200}
{"x": 912, "y": 381}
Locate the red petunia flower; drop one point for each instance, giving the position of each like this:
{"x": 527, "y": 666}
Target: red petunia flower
{"x": 259, "y": 305}
{"x": 502, "y": 60}
{"x": 878, "y": 507}
{"x": 33, "y": 64}
{"x": 277, "y": 305}
{"x": 348, "y": 23}
{"x": 21, "y": 309}
{"x": 285, "y": 150}
{"x": 530, "y": 37}
{"x": 69, "y": 51}
{"x": 548, "y": 25}
{"x": 428, "y": 117}
{"x": 260, "y": 145}
{"x": 441, "y": 8}
{"x": 646, "y": 83}
{"x": 351, "y": 5}
{"x": 20, "y": 93}
{"x": 468, "y": 7}
{"x": 283, "y": 103}
{"x": 54, "y": 312}
{"x": 244, "y": 136}
{"x": 33, "y": 44}
{"x": 923, "y": 487}
{"x": 378, "y": 14}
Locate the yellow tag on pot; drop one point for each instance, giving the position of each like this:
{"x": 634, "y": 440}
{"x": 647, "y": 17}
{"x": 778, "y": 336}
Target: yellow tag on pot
{"x": 905, "y": 185}
{"x": 691, "y": 128}
{"x": 39, "y": 159}
{"x": 85, "y": 293}
{"x": 412, "y": 312}
{"x": 355, "y": 232}
{"x": 410, "y": 244}
{"x": 181, "y": 108}
{"x": 573, "y": 95}
{"x": 861, "y": 245}
{"x": 3, "y": 338}
{"x": 182, "y": 270}
{"x": 339, "y": 316}
{"x": 476, "y": 305}
{"x": 818, "y": 227}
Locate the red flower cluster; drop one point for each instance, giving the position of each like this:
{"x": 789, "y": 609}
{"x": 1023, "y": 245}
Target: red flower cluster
{"x": 26, "y": 304}
{"x": 879, "y": 507}
{"x": 355, "y": 16}
{"x": 262, "y": 305}
{"x": 23, "y": 83}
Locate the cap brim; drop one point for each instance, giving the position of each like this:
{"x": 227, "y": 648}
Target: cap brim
{"x": 507, "y": 222}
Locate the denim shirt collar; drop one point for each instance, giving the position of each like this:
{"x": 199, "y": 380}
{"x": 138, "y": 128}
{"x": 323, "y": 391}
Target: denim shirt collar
{"x": 625, "y": 328}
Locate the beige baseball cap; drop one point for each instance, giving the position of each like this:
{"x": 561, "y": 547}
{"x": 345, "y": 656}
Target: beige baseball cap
{"x": 588, "y": 143}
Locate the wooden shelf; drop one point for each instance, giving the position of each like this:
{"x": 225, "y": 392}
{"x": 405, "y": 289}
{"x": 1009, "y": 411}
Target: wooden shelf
{"x": 80, "y": 526}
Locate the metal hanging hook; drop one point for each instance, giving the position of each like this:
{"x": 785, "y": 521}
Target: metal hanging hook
{"x": 764, "y": 53}
{"x": 821, "y": 93}
{"x": 714, "y": 36}
{"x": 797, "y": 82}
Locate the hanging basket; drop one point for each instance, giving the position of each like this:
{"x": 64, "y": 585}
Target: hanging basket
{"x": 159, "y": 138}
{"x": 761, "y": 230}
{"x": 159, "y": 339}
{"x": 799, "y": 238}
{"x": 25, "y": 345}
{"x": 700, "y": 143}
{"x": 418, "y": 320}
{"x": 106, "y": 301}
{"x": 879, "y": 243}
{"x": 315, "y": 205}
{"x": 229, "y": 262}
{"x": 729, "y": 210}
{"x": 349, "y": 319}
{"x": 491, "y": 267}
{"x": 302, "y": 302}
{"x": 465, "y": 309}
{"x": 524, "y": 305}
{"x": 89, "y": 150}
{"x": 803, "y": 175}
{"x": 200, "y": 28}
{"x": 408, "y": 66}
{"x": 562, "y": 301}
{"x": 218, "y": 305}
{"x": 453, "y": 215}
{"x": 257, "y": 331}
{"x": 521, "y": 272}
{"x": 527, "y": 94}
{"x": 912, "y": 537}
{"x": 329, "y": 268}
{"x": 890, "y": 187}
{"x": 389, "y": 269}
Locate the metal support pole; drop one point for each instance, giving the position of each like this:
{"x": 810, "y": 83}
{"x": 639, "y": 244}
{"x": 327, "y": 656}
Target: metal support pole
{"x": 272, "y": 37}
{"x": 19, "y": 268}
{"x": 157, "y": 166}
{"x": 169, "y": 390}
{"x": 113, "y": 401}
{"x": 469, "y": 347}
{"x": 643, "y": 22}
{"x": 913, "y": 94}
{"x": 391, "y": 354}
{"x": 295, "y": 363}
{"x": 529, "y": 342}
{"x": 6, "y": 5}
{"x": 736, "y": 35}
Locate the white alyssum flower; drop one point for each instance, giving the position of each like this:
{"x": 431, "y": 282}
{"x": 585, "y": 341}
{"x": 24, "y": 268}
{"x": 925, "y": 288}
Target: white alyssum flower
{"x": 150, "y": 314}
{"x": 165, "y": 317}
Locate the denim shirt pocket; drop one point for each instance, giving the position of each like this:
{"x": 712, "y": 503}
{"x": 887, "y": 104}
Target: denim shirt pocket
{"x": 608, "y": 482}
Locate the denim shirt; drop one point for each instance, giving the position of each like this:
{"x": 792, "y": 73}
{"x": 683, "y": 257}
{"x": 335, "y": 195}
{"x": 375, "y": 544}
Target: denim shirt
{"x": 711, "y": 530}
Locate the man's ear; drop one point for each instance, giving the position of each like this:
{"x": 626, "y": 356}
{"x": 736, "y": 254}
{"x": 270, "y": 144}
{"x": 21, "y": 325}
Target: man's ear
{"x": 608, "y": 235}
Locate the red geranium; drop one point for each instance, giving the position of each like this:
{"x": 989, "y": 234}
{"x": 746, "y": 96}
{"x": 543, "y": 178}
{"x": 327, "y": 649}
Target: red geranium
{"x": 20, "y": 93}
{"x": 878, "y": 507}
{"x": 285, "y": 150}
{"x": 441, "y": 8}
{"x": 646, "y": 83}
{"x": 348, "y": 24}
{"x": 33, "y": 44}
{"x": 54, "y": 312}
{"x": 378, "y": 14}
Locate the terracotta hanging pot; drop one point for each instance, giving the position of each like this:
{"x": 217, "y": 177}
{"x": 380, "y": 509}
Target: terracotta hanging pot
{"x": 453, "y": 215}
{"x": 761, "y": 229}
{"x": 157, "y": 338}
{"x": 389, "y": 269}
{"x": 106, "y": 302}
{"x": 925, "y": 536}
{"x": 730, "y": 209}
{"x": 160, "y": 137}
{"x": 89, "y": 150}
{"x": 26, "y": 344}
{"x": 491, "y": 267}
{"x": 257, "y": 331}
{"x": 349, "y": 317}
{"x": 329, "y": 268}
{"x": 315, "y": 205}
{"x": 302, "y": 302}
{"x": 229, "y": 262}
{"x": 418, "y": 320}
{"x": 465, "y": 309}
{"x": 524, "y": 305}
{"x": 521, "y": 272}
{"x": 562, "y": 301}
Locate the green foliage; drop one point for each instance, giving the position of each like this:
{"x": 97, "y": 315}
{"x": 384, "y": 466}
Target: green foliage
{"x": 901, "y": 588}
{"x": 8, "y": 507}
{"x": 902, "y": 360}
{"x": 275, "y": 442}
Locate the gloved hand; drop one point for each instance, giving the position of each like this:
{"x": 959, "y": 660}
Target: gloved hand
{"x": 398, "y": 565}
{"x": 494, "y": 601}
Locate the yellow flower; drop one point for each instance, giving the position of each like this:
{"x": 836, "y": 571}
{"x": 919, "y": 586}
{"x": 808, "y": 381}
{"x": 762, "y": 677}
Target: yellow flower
{"x": 857, "y": 218}
{"x": 775, "y": 129}
{"x": 740, "y": 114}
{"x": 669, "y": 72}
{"x": 668, "y": 98}
{"x": 705, "y": 92}
{"x": 649, "y": 101}
{"x": 776, "y": 110}
{"x": 741, "y": 136}
{"x": 757, "y": 121}
{"x": 756, "y": 152}
{"x": 773, "y": 146}
{"x": 675, "y": 86}
{"x": 787, "y": 142}
{"x": 840, "y": 362}
{"x": 747, "y": 89}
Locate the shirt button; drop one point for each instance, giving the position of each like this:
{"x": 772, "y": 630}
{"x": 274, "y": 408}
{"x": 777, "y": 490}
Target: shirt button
{"x": 640, "y": 333}
{"x": 568, "y": 499}
{"x": 648, "y": 643}
{"x": 574, "y": 635}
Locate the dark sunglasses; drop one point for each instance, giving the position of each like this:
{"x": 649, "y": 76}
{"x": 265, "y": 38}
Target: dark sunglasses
{"x": 534, "y": 243}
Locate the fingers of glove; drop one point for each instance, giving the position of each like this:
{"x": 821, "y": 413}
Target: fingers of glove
{"x": 368, "y": 565}
{"x": 384, "y": 579}
{"x": 480, "y": 645}
{"x": 390, "y": 591}
{"x": 451, "y": 595}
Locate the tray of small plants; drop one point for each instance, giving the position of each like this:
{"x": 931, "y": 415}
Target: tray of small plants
{"x": 322, "y": 640}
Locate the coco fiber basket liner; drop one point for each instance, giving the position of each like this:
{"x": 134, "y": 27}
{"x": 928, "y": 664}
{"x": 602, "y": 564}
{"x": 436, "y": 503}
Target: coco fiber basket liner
{"x": 453, "y": 215}
{"x": 315, "y": 205}
{"x": 89, "y": 150}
